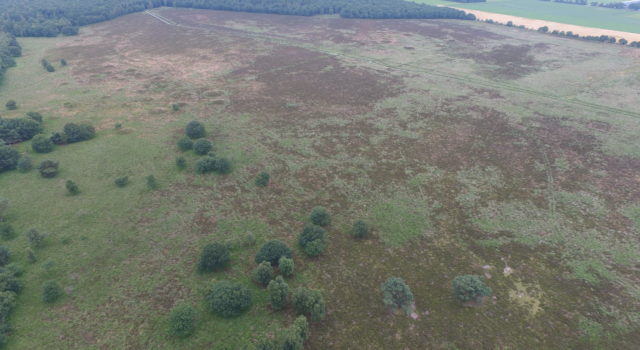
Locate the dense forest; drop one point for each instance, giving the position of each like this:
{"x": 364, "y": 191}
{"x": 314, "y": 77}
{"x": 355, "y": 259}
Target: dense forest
{"x": 53, "y": 17}
{"x": 9, "y": 48}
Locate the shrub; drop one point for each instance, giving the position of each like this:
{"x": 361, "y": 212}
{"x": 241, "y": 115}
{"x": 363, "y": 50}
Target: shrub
{"x": 214, "y": 257}
{"x": 4, "y": 206}
{"x": 175, "y": 107}
{"x": 152, "y": 183}
{"x": 182, "y": 321}
{"x": 72, "y": 188}
{"x": 31, "y": 256}
{"x": 320, "y": 216}
{"x": 185, "y": 143}
{"x": 195, "y": 130}
{"x": 16, "y": 130}
{"x": 58, "y": 138}
{"x": 228, "y": 299}
{"x": 9, "y": 282}
{"x": 78, "y": 132}
{"x": 48, "y": 168}
{"x": 24, "y": 164}
{"x": 63, "y": 62}
{"x": 11, "y": 105}
{"x": 35, "y": 238}
{"x": 263, "y": 273}
{"x": 272, "y": 251}
{"x": 7, "y": 303}
{"x": 312, "y": 240}
{"x": 51, "y": 291}
{"x": 222, "y": 166}
{"x": 262, "y": 180}
{"x": 360, "y": 229}
{"x": 205, "y": 165}
{"x": 249, "y": 240}
{"x": 315, "y": 248}
{"x": 309, "y": 302}
{"x": 286, "y": 266}
{"x": 202, "y": 146}
{"x": 5, "y": 255}
{"x": 16, "y": 269}
{"x": 8, "y": 158}
{"x": 278, "y": 293}
{"x": 301, "y": 327}
{"x": 469, "y": 288}
{"x": 396, "y": 294}
{"x": 35, "y": 116}
{"x": 118, "y": 126}
{"x": 181, "y": 162}
{"x": 6, "y": 231}
{"x": 41, "y": 144}
{"x": 121, "y": 181}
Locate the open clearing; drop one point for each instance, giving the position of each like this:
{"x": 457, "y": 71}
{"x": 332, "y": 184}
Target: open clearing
{"x": 471, "y": 148}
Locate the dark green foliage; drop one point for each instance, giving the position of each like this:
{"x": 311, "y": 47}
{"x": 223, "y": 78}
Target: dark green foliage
{"x": 35, "y": 238}
{"x": 7, "y": 303}
{"x": 175, "y": 107}
{"x": 272, "y": 251}
{"x": 182, "y": 321}
{"x": 312, "y": 240}
{"x": 262, "y": 180}
{"x": 118, "y": 126}
{"x": 222, "y": 166}
{"x": 228, "y": 299}
{"x": 51, "y": 291}
{"x": 4, "y": 207}
{"x": 16, "y": 130}
{"x": 202, "y": 146}
{"x": 63, "y": 62}
{"x": 78, "y": 132}
{"x": 68, "y": 30}
{"x": 121, "y": 181}
{"x": 48, "y": 168}
{"x": 16, "y": 269}
{"x": 58, "y": 138}
{"x": 9, "y": 48}
{"x": 11, "y": 105}
{"x": 6, "y": 231}
{"x": 360, "y": 229}
{"x": 249, "y": 240}
{"x": 309, "y": 302}
{"x": 263, "y": 273}
{"x": 31, "y": 256}
{"x": 5, "y": 255}
{"x": 72, "y": 187}
{"x": 8, "y": 158}
{"x": 181, "y": 162}
{"x": 185, "y": 143}
{"x": 278, "y": 293}
{"x": 35, "y": 116}
{"x": 152, "y": 183}
{"x": 195, "y": 130}
{"x": 320, "y": 216}
{"x": 291, "y": 338}
{"x": 210, "y": 164}
{"x": 286, "y": 266}
{"x": 41, "y": 144}
{"x": 24, "y": 164}
{"x": 469, "y": 288}
{"x": 47, "y": 66}
{"x": 214, "y": 257}
{"x": 9, "y": 281}
{"x": 397, "y": 294}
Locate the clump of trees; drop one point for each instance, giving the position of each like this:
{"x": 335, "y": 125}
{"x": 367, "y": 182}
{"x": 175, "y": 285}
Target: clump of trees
{"x": 312, "y": 240}
{"x": 210, "y": 164}
{"x": 15, "y": 130}
{"x": 397, "y": 294}
{"x": 228, "y": 299}
{"x": 41, "y": 144}
{"x": 470, "y": 288}
{"x": 182, "y": 321}
{"x": 8, "y": 158}
{"x": 9, "y": 49}
{"x": 309, "y": 302}
{"x": 78, "y": 132}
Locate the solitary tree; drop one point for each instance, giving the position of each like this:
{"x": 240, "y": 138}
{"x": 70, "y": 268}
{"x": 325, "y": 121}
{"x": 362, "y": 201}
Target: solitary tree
{"x": 263, "y": 273}
{"x": 228, "y": 299}
{"x": 182, "y": 321}
{"x": 320, "y": 216}
{"x": 470, "y": 288}
{"x": 11, "y": 105}
{"x": 51, "y": 291}
{"x": 41, "y": 144}
{"x": 286, "y": 266}
{"x": 262, "y": 180}
{"x": 72, "y": 187}
{"x": 360, "y": 229}
{"x": 195, "y": 130}
{"x": 278, "y": 293}
{"x": 396, "y": 294}
{"x": 214, "y": 257}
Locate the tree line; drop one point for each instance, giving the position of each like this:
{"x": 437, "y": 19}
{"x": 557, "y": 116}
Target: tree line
{"x": 611, "y": 5}
{"x": 9, "y": 48}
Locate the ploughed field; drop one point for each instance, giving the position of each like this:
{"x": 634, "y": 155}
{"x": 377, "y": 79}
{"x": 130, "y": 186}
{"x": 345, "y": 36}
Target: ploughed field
{"x": 470, "y": 149}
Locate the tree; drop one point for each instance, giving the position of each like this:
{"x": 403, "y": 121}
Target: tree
{"x": 35, "y": 238}
{"x": 278, "y": 293}
{"x": 262, "y": 180}
{"x": 41, "y": 144}
{"x": 309, "y": 302}
{"x": 185, "y": 143}
{"x": 312, "y": 240}
{"x": 272, "y": 251}
{"x": 8, "y": 158}
{"x": 51, "y": 291}
{"x": 48, "y": 168}
{"x": 263, "y": 273}
{"x": 78, "y": 132}
{"x": 360, "y": 229}
{"x": 214, "y": 257}
{"x": 72, "y": 187}
{"x": 11, "y": 105}
{"x": 195, "y": 130}
{"x": 286, "y": 266}
{"x": 5, "y": 255}
{"x": 202, "y": 146}
{"x": 228, "y": 299}
{"x": 320, "y": 216}
{"x": 181, "y": 162}
{"x": 121, "y": 181}
{"x": 182, "y": 321}
{"x": 470, "y": 288}
{"x": 396, "y": 294}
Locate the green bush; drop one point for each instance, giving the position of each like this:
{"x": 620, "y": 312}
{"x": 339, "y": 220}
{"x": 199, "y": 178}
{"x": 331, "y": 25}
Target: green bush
{"x": 78, "y": 132}
{"x": 286, "y": 266}
{"x": 222, "y": 166}
{"x": 9, "y": 281}
{"x": 175, "y": 107}
{"x": 214, "y": 257}
{"x": 7, "y": 303}
{"x": 48, "y": 168}
{"x": 278, "y": 293}
{"x": 272, "y": 251}
{"x": 41, "y": 144}
{"x": 262, "y": 180}
{"x": 315, "y": 248}
{"x": 58, "y": 138}
{"x": 360, "y": 229}
{"x": 11, "y": 105}
{"x": 312, "y": 240}
{"x": 8, "y": 158}
{"x": 5, "y": 255}
{"x": 121, "y": 181}
{"x": 205, "y": 165}
{"x": 396, "y": 294}
{"x": 320, "y": 216}
{"x": 185, "y": 143}
{"x": 182, "y": 321}
{"x": 195, "y": 130}
{"x": 35, "y": 116}
{"x": 51, "y": 291}
{"x": 152, "y": 183}
{"x": 35, "y": 238}
{"x": 6, "y": 231}
{"x": 72, "y": 187}
{"x": 228, "y": 299}
{"x": 202, "y": 146}
{"x": 14, "y": 130}
{"x": 309, "y": 302}
{"x": 31, "y": 256}
{"x": 469, "y": 288}
{"x": 249, "y": 240}
{"x": 181, "y": 162}
{"x": 24, "y": 164}
{"x": 263, "y": 273}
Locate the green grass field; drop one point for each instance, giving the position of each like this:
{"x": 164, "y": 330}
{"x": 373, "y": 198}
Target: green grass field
{"x": 588, "y": 16}
{"x": 468, "y": 147}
